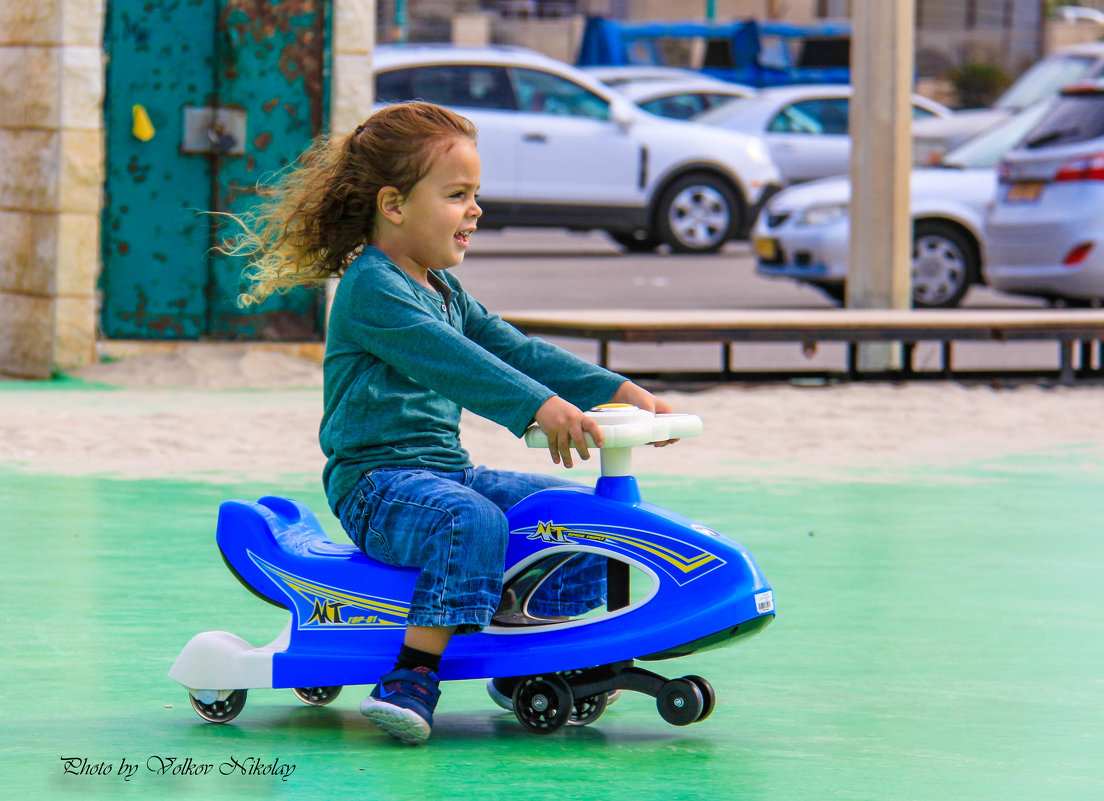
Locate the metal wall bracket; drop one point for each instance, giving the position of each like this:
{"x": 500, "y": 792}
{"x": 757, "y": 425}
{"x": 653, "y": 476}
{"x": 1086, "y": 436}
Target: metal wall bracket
{"x": 218, "y": 130}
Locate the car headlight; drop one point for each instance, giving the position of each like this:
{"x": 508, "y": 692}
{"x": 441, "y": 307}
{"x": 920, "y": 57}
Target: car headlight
{"x": 824, "y": 214}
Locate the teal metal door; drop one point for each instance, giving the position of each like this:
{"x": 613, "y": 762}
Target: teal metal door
{"x": 204, "y": 99}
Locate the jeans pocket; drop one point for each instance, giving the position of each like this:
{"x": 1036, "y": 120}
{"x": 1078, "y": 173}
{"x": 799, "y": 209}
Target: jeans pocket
{"x": 356, "y": 515}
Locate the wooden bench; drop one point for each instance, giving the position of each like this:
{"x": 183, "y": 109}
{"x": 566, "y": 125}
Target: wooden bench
{"x": 854, "y": 326}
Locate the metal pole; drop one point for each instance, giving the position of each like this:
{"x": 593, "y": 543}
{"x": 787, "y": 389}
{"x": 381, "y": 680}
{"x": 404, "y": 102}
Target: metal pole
{"x": 881, "y": 151}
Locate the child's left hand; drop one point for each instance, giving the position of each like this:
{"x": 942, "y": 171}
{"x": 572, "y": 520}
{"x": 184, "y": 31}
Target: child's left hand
{"x": 641, "y": 398}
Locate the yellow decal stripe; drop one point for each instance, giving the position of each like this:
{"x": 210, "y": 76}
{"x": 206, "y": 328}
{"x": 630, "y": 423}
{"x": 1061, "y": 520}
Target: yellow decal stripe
{"x": 304, "y": 587}
{"x": 684, "y": 563}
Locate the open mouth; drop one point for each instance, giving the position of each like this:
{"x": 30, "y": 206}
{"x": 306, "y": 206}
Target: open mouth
{"x": 463, "y": 236}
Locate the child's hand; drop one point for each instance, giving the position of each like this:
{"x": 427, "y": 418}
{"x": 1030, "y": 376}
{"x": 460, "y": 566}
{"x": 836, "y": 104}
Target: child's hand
{"x": 641, "y": 398}
{"x": 565, "y": 425}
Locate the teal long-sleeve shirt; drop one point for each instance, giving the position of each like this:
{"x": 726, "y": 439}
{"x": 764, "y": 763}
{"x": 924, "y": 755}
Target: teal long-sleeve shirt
{"x": 402, "y": 360}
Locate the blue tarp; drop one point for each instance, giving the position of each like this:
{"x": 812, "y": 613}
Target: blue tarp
{"x": 823, "y": 56}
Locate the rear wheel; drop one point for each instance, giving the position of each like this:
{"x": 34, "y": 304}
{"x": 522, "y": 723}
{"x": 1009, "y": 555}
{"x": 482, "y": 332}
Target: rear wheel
{"x": 698, "y": 213}
{"x": 220, "y": 711}
{"x": 945, "y": 263}
{"x": 316, "y": 696}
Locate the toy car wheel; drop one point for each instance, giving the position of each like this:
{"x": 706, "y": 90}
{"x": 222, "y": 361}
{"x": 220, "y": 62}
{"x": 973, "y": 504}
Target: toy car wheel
{"x": 220, "y": 711}
{"x": 316, "y": 696}
{"x": 680, "y": 702}
{"x": 709, "y": 697}
{"x": 587, "y": 710}
{"x": 543, "y": 704}
{"x": 698, "y": 213}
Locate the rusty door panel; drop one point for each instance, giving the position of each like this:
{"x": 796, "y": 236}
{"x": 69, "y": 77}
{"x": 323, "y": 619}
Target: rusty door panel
{"x": 228, "y": 59}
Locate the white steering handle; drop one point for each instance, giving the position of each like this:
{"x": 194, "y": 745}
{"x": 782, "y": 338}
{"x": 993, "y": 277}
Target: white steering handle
{"x": 624, "y": 426}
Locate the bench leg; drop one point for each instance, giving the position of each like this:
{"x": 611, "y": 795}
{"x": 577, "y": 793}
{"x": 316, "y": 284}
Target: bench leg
{"x": 948, "y": 355}
{"x": 726, "y": 360}
{"x": 1065, "y": 361}
{"x": 603, "y": 353}
{"x": 907, "y": 349}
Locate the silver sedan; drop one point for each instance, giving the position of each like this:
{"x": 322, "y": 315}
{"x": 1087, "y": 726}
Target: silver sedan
{"x": 805, "y": 127}
{"x": 804, "y": 232}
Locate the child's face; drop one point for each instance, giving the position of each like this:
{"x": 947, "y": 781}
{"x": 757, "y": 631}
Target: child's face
{"x": 440, "y": 213}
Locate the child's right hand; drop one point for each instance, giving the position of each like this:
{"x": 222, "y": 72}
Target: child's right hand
{"x": 566, "y": 426}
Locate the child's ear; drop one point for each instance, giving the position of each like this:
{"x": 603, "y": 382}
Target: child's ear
{"x": 389, "y": 202}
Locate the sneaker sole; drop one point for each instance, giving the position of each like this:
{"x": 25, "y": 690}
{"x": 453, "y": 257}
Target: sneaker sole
{"x": 402, "y": 724}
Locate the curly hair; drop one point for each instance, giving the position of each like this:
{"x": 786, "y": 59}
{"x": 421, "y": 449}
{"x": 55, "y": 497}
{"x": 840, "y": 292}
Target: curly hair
{"x": 317, "y": 216}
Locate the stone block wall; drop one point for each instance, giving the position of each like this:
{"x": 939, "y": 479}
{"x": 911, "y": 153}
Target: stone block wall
{"x": 51, "y": 182}
{"x": 52, "y": 170}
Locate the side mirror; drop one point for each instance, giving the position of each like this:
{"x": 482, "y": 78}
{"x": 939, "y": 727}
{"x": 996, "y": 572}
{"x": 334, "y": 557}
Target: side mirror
{"x": 622, "y": 113}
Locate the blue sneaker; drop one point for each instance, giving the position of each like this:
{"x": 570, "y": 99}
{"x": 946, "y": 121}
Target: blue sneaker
{"x": 402, "y": 704}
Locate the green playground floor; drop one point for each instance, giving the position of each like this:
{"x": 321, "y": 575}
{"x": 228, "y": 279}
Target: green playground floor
{"x": 939, "y": 636}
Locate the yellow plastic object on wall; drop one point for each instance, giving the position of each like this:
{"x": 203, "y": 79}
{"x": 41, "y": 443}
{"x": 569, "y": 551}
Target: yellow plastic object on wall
{"x": 142, "y": 129}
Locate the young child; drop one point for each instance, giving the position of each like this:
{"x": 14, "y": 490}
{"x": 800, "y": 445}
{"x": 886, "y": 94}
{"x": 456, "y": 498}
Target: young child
{"x": 390, "y": 209}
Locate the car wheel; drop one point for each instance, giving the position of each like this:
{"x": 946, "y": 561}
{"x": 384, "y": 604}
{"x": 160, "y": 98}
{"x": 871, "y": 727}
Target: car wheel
{"x": 635, "y": 241}
{"x": 698, "y": 213}
{"x": 944, "y": 264}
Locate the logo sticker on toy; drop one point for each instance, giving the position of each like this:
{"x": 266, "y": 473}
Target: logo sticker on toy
{"x": 318, "y": 605}
{"x": 683, "y": 561}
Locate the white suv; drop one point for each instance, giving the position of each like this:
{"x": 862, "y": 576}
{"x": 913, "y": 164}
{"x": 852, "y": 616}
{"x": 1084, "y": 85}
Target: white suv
{"x": 560, "y": 149}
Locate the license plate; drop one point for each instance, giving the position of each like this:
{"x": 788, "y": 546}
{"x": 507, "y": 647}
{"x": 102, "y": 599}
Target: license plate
{"x": 1024, "y": 191}
{"x": 766, "y": 248}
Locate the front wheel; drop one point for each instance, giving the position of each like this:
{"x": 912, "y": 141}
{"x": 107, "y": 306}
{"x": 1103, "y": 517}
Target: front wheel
{"x": 698, "y": 213}
{"x": 543, "y": 704}
{"x": 945, "y": 263}
{"x": 680, "y": 702}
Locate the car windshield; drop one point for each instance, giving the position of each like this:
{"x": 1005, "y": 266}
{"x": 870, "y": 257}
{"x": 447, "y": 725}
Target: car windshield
{"x": 1073, "y": 118}
{"x": 1044, "y": 80}
{"x": 985, "y": 149}
{"x": 729, "y": 110}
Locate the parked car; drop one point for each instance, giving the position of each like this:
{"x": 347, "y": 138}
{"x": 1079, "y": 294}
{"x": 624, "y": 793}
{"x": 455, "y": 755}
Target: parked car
{"x": 683, "y": 100}
{"x": 632, "y": 73}
{"x": 931, "y": 138}
{"x": 560, "y": 149}
{"x": 1046, "y": 227}
{"x": 805, "y": 127}
{"x": 744, "y": 51}
{"x": 804, "y": 232}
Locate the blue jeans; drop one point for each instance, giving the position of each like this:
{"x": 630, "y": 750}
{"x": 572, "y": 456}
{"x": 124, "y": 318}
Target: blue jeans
{"x": 453, "y": 526}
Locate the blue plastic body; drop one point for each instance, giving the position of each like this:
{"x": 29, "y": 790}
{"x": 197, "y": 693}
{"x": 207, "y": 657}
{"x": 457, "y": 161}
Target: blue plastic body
{"x": 348, "y": 611}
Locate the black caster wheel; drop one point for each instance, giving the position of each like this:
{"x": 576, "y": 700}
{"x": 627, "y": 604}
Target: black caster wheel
{"x": 220, "y": 711}
{"x": 587, "y": 710}
{"x": 316, "y": 696}
{"x": 709, "y": 697}
{"x": 543, "y": 704}
{"x": 680, "y": 702}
